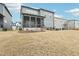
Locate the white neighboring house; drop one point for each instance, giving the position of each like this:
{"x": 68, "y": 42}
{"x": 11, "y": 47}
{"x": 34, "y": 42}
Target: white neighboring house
{"x": 71, "y": 24}
{"x": 36, "y": 18}
{"x": 77, "y": 24}
{"x": 59, "y": 23}
{"x": 5, "y": 17}
{"x": 13, "y": 26}
{"x": 74, "y": 24}
{"x": 16, "y": 26}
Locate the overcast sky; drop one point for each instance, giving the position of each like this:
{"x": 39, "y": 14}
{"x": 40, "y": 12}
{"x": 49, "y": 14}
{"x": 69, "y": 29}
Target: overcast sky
{"x": 64, "y": 10}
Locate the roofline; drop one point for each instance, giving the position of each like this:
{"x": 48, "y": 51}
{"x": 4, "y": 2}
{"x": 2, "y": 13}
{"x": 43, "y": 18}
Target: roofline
{"x": 76, "y": 20}
{"x": 73, "y": 20}
{"x": 47, "y": 10}
{"x": 33, "y": 15}
{"x": 6, "y": 9}
{"x": 29, "y": 7}
{"x": 38, "y": 9}
{"x": 61, "y": 18}
{"x": 66, "y": 19}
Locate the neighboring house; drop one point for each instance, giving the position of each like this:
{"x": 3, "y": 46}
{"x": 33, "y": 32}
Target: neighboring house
{"x": 36, "y": 18}
{"x": 5, "y": 17}
{"x": 71, "y": 24}
{"x": 16, "y": 26}
{"x": 60, "y": 23}
{"x": 13, "y": 26}
{"x": 76, "y": 24}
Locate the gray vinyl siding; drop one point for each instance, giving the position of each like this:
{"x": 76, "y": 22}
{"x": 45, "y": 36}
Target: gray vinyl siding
{"x": 29, "y": 11}
{"x": 7, "y": 19}
{"x": 48, "y": 20}
{"x": 1, "y": 9}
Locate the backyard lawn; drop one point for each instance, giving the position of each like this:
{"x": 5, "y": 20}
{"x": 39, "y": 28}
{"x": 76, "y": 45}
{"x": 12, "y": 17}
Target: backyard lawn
{"x": 52, "y": 43}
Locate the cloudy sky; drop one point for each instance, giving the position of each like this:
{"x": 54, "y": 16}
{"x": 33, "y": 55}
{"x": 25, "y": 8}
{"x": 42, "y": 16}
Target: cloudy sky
{"x": 64, "y": 10}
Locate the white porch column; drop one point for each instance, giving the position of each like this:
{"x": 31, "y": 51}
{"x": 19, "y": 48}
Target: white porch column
{"x": 41, "y": 22}
{"x": 35, "y": 21}
{"x": 22, "y": 19}
{"x": 29, "y": 21}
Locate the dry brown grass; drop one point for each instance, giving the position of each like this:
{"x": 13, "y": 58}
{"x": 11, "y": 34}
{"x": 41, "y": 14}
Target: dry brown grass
{"x": 39, "y": 43}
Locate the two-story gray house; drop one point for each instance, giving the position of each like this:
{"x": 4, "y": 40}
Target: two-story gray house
{"x": 5, "y": 17}
{"x": 36, "y": 18}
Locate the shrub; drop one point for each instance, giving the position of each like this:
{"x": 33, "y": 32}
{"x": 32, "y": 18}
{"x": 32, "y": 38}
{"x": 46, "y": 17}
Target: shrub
{"x": 20, "y": 29}
{"x": 47, "y": 28}
{"x": 4, "y": 29}
{"x": 51, "y": 28}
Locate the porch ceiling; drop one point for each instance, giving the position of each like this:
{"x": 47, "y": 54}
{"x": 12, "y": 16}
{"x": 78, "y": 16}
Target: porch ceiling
{"x": 33, "y": 15}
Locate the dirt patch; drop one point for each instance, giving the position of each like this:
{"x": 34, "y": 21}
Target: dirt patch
{"x": 39, "y": 43}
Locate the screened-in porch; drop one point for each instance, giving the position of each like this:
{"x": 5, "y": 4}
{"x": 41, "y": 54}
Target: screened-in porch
{"x": 31, "y": 21}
